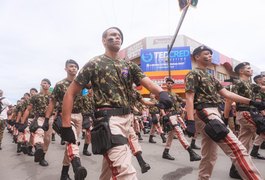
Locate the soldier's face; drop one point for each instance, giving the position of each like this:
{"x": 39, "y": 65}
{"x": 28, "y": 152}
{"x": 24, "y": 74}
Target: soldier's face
{"x": 112, "y": 41}
{"x": 204, "y": 58}
{"x": 247, "y": 71}
{"x": 263, "y": 81}
{"x": 71, "y": 69}
{"x": 169, "y": 85}
{"x": 45, "y": 85}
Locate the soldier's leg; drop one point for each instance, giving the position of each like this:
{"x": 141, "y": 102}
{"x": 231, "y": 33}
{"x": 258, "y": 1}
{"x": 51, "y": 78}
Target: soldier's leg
{"x": 39, "y": 141}
{"x": 47, "y": 141}
{"x": 73, "y": 149}
{"x": 256, "y": 145}
{"x": 137, "y": 151}
{"x": 170, "y": 137}
{"x": 119, "y": 157}
{"x": 87, "y": 142}
{"x": 247, "y": 129}
{"x": 193, "y": 156}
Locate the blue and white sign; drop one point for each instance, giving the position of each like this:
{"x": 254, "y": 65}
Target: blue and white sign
{"x": 156, "y": 59}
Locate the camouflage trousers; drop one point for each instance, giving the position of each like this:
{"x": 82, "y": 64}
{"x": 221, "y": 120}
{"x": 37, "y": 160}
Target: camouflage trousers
{"x": 2, "y": 128}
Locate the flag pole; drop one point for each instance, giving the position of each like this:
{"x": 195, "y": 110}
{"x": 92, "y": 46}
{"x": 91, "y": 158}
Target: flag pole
{"x": 169, "y": 47}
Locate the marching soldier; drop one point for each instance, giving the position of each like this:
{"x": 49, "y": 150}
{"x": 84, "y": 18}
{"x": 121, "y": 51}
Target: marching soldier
{"x": 71, "y": 154}
{"x": 201, "y": 94}
{"x": 38, "y": 105}
{"x": 112, "y": 79}
{"x": 173, "y": 120}
{"x": 248, "y": 128}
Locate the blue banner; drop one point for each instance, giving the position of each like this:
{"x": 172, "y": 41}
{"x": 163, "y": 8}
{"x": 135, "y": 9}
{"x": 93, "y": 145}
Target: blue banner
{"x": 156, "y": 59}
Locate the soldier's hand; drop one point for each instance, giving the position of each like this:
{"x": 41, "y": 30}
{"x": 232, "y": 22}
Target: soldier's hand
{"x": 67, "y": 134}
{"x": 165, "y": 119}
{"x": 164, "y": 101}
{"x": 259, "y": 105}
{"x": 22, "y": 127}
{"x": 45, "y": 125}
{"x": 190, "y": 128}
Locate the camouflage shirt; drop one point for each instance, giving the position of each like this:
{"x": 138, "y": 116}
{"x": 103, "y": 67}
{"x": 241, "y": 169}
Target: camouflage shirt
{"x": 24, "y": 107}
{"x": 88, "y": 105}
{"x": 204, "y": 86}
{"x": 176, "y": 99}
{"x": 40, "y": 103}
{"x": 245, "y": 89}
{"x": 58, "y": 94}
{"x": 154, "y": 109}
{"x": 111, "y": 80}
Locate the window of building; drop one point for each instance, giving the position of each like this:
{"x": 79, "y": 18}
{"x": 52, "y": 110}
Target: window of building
{"x": 221, "y": 76}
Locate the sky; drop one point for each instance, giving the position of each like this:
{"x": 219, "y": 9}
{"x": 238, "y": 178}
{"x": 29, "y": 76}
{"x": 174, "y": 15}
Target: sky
{"x": 37, "y": 37}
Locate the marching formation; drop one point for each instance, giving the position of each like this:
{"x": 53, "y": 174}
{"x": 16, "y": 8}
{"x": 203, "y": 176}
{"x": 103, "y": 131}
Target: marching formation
{"x": 100, "y": 104}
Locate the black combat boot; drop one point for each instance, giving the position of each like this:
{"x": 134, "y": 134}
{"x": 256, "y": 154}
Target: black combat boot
{"x": 255, "y": 153}
{"x": 193, "y": 155}
{"x": 0, "y": 147}
{"x": 19, "y": 150}
{"x": 139, "y": 136}
{"x": 163, "y": 137}
{"x": 85, "y": 151}
{"x": 53, "y": 136}
{"x": 43, "y": 162}
{"x": 24, "y": 148}
{"x": 80, "y": 171}
{"x": 151, "y": 140}
{"x": 233, "y": 173}
{"x": 62, "y": 142}
{"x": 64, "y": 173}
{"x": 38, "y": 155}
{"x": 166, "y": 155}
{"x": 193, "y": 145}
{"x": 144, "y": 166}
{"x": 30, "y": 152}
{"x": 262, "y": 146}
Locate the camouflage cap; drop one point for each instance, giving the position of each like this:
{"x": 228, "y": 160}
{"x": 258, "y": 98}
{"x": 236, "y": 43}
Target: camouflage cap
{"x": 240, "y": 65}
{"x": 200, "y": 49}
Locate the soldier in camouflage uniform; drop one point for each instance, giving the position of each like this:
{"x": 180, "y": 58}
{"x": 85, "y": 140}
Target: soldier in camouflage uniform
{"x": 72, "y": 150}
{"x": 111, "y": 78}
{"x": 262, "y": 82}
{"x": 155, "y": 115}
{"x": 174, "y": 121}
{"x": 38, "y": 105}
{"x": 245, "y": 88}
{"x": 201, "y": 94}
{"x": 259, "y": 96}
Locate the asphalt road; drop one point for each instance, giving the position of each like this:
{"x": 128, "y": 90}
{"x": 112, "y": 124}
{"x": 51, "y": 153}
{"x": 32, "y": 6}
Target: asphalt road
{"x": 15, "y": 166}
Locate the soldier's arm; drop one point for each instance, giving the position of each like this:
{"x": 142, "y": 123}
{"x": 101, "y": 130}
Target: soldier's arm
{"x": 190, "y": 105}
{"x": 26, "y": 114}
{"x": 227, "y": 109}
{"x": 234, "y": 97}
{"x": 68, "y": 102}
{"x": 148, "y": 84}
{"x": 50, "y": 108}
{"x": 19, "y": 115}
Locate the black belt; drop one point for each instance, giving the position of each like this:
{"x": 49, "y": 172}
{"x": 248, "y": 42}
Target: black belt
{"x": 245, "y": 108}
{"x": 76, "y": 112}
{"x": 102, "y": 112}
{"x": 205, "y": 105}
